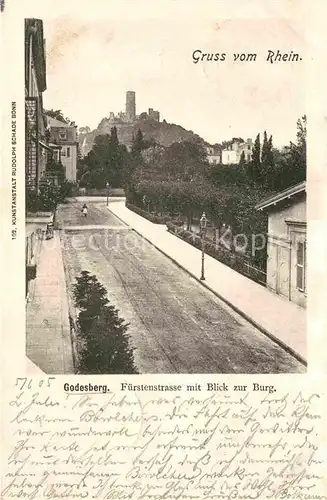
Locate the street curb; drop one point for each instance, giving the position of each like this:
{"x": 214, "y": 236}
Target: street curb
{"x": 226, "y": 301}
{"x": 71, "y": 308}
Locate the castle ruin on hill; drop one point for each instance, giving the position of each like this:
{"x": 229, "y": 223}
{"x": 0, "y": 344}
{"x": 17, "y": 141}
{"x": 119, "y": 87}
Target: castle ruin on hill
{"x": 129, "y": 115}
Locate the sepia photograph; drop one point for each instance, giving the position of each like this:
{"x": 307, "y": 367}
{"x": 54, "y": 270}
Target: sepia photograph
{"x": 163, "y": 199}
{"x": 165, "y": 196}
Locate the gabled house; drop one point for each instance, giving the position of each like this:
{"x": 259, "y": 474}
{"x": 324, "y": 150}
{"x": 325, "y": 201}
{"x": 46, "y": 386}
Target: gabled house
{"x": 63, "y": 137}
{"x": 287, "y": 243}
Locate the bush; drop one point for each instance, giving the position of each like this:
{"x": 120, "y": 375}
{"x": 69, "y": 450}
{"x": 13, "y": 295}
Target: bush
{"x": 44, "y": 201}
{"x": 32, "y": 201}
{"x": 103, "y": 334}
{"x": 156, "y": 219}
{"x": 66, "y": 190}
{"x": 48, "y": 198}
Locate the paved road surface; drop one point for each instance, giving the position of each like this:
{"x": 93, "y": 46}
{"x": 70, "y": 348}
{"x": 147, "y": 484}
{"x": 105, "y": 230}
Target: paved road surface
{"x": 176, "y": 325}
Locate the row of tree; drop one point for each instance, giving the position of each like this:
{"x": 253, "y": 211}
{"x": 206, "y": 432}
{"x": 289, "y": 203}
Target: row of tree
{"x": 275, "y": 169}
{"x": 177, "y": 180}
{"x": 270, "y": 168}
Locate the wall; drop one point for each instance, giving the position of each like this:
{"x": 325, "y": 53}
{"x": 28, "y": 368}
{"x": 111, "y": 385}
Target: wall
{"x": 276, "y": 220}
{"x": 33, "y": 90}
{"x": 228, "y": 157}
{"x": 69, "y": 162}
{"x": 71, "y": 134}
{"x": 233, "y": 153}
{"x": 70, "y": 141}
{"x": 213, "y": 159}
{"x": 297, "y": 235}
{"x": 35, "y": 160}
{"x": 286, "y": 228}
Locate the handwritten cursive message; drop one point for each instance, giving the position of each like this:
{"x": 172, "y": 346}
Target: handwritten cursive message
{"x": 141, "y": 445}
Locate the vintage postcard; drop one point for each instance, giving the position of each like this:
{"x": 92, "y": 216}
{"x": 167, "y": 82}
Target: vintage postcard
{"x": 164, "y": 249}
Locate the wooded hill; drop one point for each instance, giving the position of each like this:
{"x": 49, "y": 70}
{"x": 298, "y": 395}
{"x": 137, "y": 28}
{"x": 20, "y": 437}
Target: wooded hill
{"x": 161, "y": 132}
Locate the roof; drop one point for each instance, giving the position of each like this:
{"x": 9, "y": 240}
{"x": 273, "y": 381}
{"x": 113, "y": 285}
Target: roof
{"x": 34, "y": 34}
{"x": 283, "y": 195}
{"x": 53, "y": 122}
{"x": 49, "y": 146}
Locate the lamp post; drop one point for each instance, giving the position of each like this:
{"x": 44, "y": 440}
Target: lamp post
{"x": 203, "y": 226}
{"x": 107, "y": 186}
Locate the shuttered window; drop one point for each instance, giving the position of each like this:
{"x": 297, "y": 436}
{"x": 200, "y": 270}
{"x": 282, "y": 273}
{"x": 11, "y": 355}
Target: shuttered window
{"x": 300, "y": 265}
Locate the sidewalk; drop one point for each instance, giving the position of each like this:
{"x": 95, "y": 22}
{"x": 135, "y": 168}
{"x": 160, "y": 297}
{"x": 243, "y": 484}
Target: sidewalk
{"x": 48, "y": 343}
{"x": 281, "y": 320}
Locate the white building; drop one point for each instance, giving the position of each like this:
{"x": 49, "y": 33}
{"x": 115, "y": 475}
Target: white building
{"x": 213, "y": 155}
{"x": 232, "y": 154}
{"x": 65, "y": 135}
{"x": 286, "y": 248}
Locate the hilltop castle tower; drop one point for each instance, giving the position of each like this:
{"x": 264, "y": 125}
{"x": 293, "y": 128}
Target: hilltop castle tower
{"x": 130, "y": 105}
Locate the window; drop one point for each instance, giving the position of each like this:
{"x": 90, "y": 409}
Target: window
{"x": 63, "y": 152}
{"x": 300, "y": 265}
{"x": 68, "y": 152}
{"x": 63, "y": 135}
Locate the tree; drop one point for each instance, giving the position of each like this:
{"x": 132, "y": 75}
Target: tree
{"x": 297, "y": 153}
{"x": 84, "y": 130}
{"x": 267, "y": 161}
{"x": 58, "y": 114}
{"x": 270, "y": 151}
{"x": 55, "y": 170}
{"x": 185, "y": 160}
{"x": 106, "y": 162}
{"x": 254, "y": 166}
{"x": 49, "y": 196}
{"x": 265, "y": 152}
{"x": 89, "y": 294}
{"x": 242, "y": 159}
{"x": 138, "y": 143}
{"x": 290, "y": 163}
{"x": 114, "y": 137}
{"x": 105, "y": 343}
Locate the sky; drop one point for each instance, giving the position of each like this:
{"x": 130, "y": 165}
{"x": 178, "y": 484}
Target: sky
{"x": 91, "y": 63}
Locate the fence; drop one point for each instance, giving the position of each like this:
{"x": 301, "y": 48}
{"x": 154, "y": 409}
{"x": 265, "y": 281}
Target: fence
{"x": 239, "y": 262}
{"x": 155, "y": 218}
{"x": 99, "y": 192}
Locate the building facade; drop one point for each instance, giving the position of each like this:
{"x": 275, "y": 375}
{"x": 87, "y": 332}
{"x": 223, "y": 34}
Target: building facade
{"x": 35, "y": 229}
{"x": 287, "y": 247}
{"x": 213, "y": 155}
{"x": 63, "y": 138}
{"x": 233, "y": 152}
{"x": 36, "y": 147}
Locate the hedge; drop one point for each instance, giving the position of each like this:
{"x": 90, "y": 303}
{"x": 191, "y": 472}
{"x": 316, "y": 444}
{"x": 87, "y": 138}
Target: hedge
{"x": 156, "y": 219}
{"x": 239, "y": 263}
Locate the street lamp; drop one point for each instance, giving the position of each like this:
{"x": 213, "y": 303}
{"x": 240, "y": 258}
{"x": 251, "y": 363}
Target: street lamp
{"x": 107, "y": 186}
{"x": 203, "y": 227}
